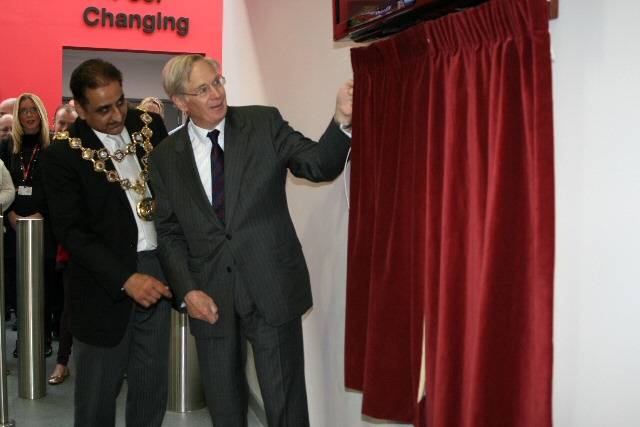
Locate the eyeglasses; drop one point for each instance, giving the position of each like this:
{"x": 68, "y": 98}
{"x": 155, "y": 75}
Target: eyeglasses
{"x": 25, "y": 111}
{"x": 205, "y": 89}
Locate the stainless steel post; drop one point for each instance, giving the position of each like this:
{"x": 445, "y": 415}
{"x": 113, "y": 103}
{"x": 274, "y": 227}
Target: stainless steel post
{"x": 185, "y": 387}
{"x": 30, "y": 268}
{"x": 5, "y": 421}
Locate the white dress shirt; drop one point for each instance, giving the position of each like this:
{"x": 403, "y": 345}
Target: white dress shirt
{"x": 202, "y": 145}
{"x": 129, "y": 168}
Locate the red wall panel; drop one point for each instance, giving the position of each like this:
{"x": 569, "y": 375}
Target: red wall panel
{"x": 35, "y": 32}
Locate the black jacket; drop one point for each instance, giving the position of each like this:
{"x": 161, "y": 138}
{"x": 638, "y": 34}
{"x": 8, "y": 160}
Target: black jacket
{"x": 257, "y": 244}
{"x": 25, "y": 205}
{"x": 93, "y": 221}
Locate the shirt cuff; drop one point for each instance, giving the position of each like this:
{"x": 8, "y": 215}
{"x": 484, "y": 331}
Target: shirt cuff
{"x": 346, "y": 129}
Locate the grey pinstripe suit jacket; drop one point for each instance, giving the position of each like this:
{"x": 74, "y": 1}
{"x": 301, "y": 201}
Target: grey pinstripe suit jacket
{"x": 257, "y": 244}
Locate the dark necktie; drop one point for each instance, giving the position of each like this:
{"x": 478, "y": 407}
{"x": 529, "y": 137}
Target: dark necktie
{"x": 217, "y": 175}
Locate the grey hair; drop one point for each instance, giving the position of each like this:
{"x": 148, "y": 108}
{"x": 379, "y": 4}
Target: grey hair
{"x": 67, "y": 108}
{"x": 178, "y": 70}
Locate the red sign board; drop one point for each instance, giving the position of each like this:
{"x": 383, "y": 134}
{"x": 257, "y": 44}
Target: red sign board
{"x": 35, "y": 32}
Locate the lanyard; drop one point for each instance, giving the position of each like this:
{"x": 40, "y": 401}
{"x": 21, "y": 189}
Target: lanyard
{"x": 25, "y": 171}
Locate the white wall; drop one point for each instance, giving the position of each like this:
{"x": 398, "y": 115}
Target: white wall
{"x": 280, "y": 52}
{"x": 597, "y": 121}
{"x": 142, "y": 72}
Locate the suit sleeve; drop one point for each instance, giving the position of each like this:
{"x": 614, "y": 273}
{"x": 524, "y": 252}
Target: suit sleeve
{"x": 158, "y": 127}
{"x": 172, "y": 244}
{"x": 71, "y": 226}
{"x": 305, "y": 158}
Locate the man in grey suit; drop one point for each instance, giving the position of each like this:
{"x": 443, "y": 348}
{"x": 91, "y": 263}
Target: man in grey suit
{"x": 227, "y": 242}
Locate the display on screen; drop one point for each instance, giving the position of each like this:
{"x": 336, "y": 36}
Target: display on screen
{"x": 361, "y": 12}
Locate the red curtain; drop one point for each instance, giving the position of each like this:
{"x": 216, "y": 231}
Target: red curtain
{"x": 451, "y": 229}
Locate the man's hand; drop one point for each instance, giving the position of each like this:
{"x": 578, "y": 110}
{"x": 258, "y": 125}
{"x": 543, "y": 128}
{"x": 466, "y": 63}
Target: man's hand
{"x": 201, "y": 306}
{"x": 13, "y": 219}
{"x": 145, "y": 290}
{"x": 344, "y": 102}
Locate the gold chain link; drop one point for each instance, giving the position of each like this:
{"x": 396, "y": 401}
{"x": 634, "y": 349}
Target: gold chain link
{"x": 99, "y": 157}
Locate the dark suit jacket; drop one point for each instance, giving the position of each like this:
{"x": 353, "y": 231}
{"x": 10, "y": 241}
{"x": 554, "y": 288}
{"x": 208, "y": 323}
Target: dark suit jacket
{"x": 257, "y": 244}
{"x": 26, "y": 205}
{"x": 93, "y": 221}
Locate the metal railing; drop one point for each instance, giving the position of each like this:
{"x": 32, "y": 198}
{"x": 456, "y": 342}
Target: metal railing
{"x": 185, "y": 387}
{"x": 30, "y": 284}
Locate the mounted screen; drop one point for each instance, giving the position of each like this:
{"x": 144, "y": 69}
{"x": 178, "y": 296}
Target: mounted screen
{"x": 363, "y": 20}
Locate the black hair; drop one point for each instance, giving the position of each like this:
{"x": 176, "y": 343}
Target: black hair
{"x": 91, "y": 74}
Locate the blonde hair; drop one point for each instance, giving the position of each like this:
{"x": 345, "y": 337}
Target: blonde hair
{"x": 17, "y": 131}
{"x": 155, "y": 101}
{"x": 178, "y": 70}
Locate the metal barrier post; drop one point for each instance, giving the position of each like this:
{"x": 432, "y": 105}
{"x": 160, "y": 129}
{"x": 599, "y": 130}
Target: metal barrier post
{"x": 5, "y": 421}
{"x": 185, "y": 387}
{"x": 30, "y": 269}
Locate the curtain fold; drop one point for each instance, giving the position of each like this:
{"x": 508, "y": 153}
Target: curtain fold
{"x": 451, "y": 223}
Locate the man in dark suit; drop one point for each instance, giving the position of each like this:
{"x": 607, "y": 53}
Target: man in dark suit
{"x": 101, "y": 212}
{"x": 227, "y": 242}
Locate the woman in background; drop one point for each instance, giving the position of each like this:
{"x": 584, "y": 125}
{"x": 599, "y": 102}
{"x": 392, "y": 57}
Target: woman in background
{"x": 30, "y": 135}
{"x": 61, "y": 371}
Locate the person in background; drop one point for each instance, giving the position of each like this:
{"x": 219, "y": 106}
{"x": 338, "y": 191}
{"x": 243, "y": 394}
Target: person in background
{"x": 30, "y": 137}
{"x": 7, "y": 190}
{"x": 6, "y": 123}
{"x": 227, "y": 242}
{"x": 61, "y": 370}
{"x": 152, "y": 104}
{"x": 64, "y": 117}
{"x": 7, "y": 106}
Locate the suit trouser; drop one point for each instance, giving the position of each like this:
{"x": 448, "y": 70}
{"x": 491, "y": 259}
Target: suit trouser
{"x": 279, "y": 359}
{"x": 142, "y": 354}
